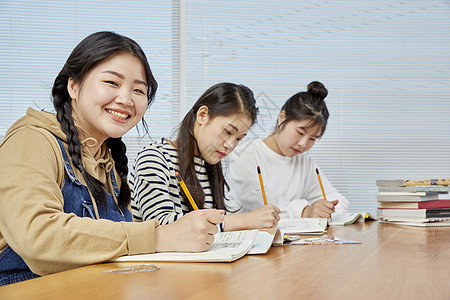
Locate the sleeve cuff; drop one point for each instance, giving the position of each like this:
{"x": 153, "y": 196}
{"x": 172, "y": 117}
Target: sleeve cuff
{"x": 296, "y": 207}
{"x": 141, "y": 236}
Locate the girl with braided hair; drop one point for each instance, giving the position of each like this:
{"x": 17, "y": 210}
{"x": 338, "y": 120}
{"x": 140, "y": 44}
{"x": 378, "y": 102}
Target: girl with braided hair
{"x": 61, "y": 205}
{"x": 289, "y": 174}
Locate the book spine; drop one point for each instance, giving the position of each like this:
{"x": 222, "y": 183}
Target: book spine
{"x": 427, "y": 182}
{"x": 411, "y": 182}
{"x": 413, "y": 213}
{"x": 404, "y": 198}
{"x": 416, "y": 189}
{"x": 437, "y": 213}
{"x": 409, "y": 213}
{"x": 434, "y": 204}
{"x": 415, "y": 205}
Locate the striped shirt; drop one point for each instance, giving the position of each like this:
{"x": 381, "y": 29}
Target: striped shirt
{"x": 155, "y": 192}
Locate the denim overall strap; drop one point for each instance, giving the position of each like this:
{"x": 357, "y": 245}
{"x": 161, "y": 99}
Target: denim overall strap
{"x": 77, "y": 198}
{"x": 114, "y": 182}
{"x": 69, "y": 170}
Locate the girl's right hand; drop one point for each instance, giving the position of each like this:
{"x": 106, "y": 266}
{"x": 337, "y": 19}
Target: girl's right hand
{"x": 194, "y": 232}
{"x": 320, "y": 209}
{"x": 266, "y": 216}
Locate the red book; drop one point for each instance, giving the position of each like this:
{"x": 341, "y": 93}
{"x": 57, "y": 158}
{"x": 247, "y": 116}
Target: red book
{"x": 416, "y": 205}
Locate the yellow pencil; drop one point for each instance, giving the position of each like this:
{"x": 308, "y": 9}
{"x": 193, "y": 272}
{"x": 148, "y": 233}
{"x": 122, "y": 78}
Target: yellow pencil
{"x": 323, "y": 191}
{"x": 321, "y": 186}
{"x": 262, "y": 185}
{"x": 186, "y": 191}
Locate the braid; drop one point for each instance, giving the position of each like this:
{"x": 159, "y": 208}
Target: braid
{"x": 64, "y": 116}
{"x": 73, "y": 142}
{"x": 118, "y": 152}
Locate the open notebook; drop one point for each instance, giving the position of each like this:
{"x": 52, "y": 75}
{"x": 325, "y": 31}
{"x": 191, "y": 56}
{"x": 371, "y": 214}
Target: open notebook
{"x": 227, "y": 247}
{"x": 347, "y": 218}
{"x": 299, "y": 226}
{"x": 263, "y": 241}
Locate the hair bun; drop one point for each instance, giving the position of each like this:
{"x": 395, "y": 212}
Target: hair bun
{"x": 317, "y": 89}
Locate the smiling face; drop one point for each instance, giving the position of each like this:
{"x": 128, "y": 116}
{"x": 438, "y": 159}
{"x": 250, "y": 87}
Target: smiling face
{"x": 217, "y": 137}
{"x": 294, "y": 137}
{"x": 111, "y": 99}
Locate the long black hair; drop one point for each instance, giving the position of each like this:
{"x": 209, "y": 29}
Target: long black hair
{"x": 89, "y": 53}
{"x": 222, "y": 99}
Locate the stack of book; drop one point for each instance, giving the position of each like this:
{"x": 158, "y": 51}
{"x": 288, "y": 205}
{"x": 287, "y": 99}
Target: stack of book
{"x": 414, "y": 202}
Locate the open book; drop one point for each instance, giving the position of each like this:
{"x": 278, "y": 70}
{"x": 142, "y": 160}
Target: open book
{"x": 349, "y": 218}
{"x": 263, "y": 241}
{"x": 299, "y": 226}
{"x": 227, "y": 247}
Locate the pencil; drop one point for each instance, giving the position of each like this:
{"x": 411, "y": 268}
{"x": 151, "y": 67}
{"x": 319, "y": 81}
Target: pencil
{"x": 262, "y": 185}
{"x": 321, "y": 186}
{"x": 186, "y": 191}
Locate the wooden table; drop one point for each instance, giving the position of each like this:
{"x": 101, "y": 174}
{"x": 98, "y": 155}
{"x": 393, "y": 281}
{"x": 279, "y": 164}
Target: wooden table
{"x": 393, "y": 262}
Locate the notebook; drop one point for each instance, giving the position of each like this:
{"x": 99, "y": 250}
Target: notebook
{"x": 227, "y": 247}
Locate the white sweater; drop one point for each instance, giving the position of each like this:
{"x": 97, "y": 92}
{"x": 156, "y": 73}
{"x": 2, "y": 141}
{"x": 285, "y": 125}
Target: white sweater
{"x": 290, "y": 183}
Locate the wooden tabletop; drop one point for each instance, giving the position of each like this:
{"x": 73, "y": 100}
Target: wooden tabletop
{"x": 393, "y": 262}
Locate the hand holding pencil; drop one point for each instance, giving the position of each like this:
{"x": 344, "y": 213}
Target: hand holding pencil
{"x": 194, "y": 232}
{"x": 266, "y": 216}
{"x": 322, "y": 208}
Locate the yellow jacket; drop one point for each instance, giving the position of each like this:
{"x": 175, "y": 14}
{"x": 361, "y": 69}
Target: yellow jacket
{"x": 32, "y": 220}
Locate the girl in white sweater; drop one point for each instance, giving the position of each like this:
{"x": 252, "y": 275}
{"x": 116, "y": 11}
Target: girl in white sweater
{"x": 288, "y": 173}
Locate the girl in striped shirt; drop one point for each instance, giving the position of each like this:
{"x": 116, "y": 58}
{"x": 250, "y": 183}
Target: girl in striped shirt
{"x": 214, "y": 126}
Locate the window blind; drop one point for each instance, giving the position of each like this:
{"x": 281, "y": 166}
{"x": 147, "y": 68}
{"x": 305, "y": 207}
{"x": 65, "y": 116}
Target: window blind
{"x": 385, "y": 64}
{"x": 36, "y": 37}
